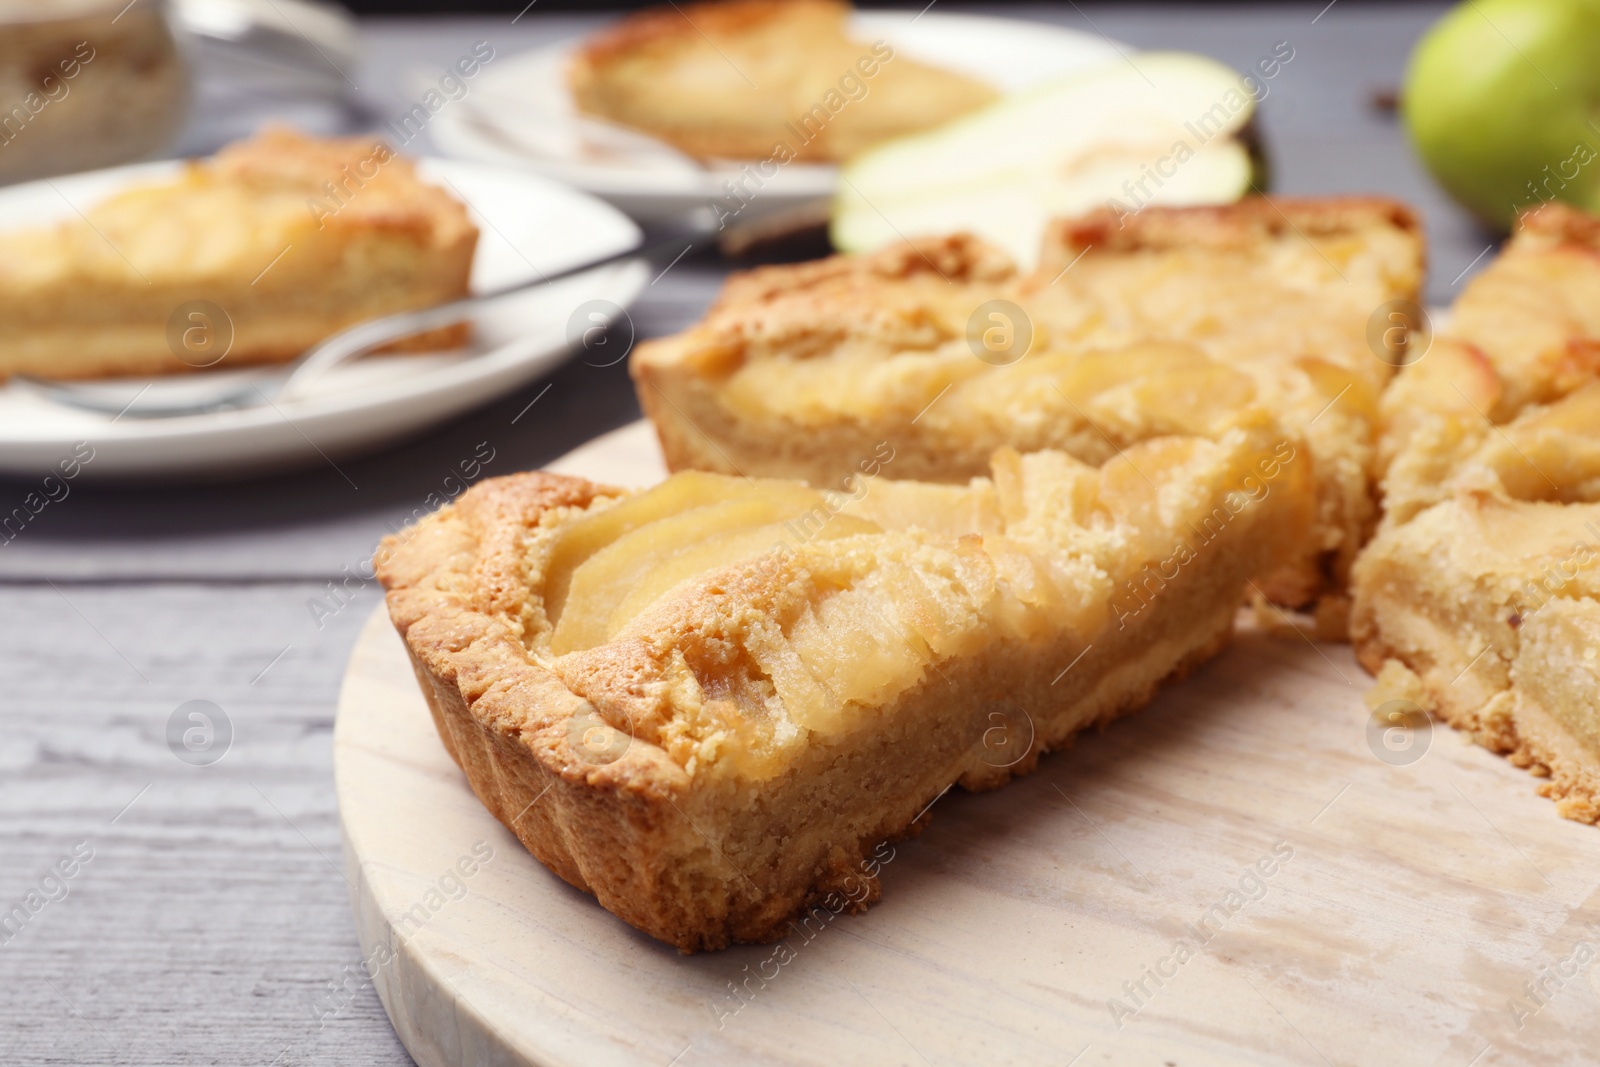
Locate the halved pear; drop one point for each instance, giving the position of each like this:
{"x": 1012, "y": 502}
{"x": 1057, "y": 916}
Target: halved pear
{"x": 1154, "y": 127}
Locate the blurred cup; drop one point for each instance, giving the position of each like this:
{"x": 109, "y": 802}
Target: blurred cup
{"x": 86, "y": 84}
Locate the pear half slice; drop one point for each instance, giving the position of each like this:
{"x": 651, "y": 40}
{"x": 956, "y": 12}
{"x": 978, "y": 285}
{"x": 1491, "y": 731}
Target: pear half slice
{"x": 1152, "y": 128}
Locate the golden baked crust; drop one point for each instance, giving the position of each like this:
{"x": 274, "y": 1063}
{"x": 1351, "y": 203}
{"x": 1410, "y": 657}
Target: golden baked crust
{"x": 737, "y": 79}
{"x": 1241, "y": 227}
{"x": 1480, "y": 596}
{"x": 293, "y": 238}
{"x": 725, "y": 753}
{"x": 1173, "y": 320}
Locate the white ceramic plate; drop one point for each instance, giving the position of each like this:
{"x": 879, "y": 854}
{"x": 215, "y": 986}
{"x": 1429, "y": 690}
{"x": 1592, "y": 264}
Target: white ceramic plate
{"x": 529, "y": 224}
{"x": 520, "y": 113}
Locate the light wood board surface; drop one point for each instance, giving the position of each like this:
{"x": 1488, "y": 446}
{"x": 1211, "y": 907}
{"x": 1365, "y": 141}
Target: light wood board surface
{"x": 1334, "y": 905}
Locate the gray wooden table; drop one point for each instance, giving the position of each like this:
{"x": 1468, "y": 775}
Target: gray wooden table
{"x": 210, "y": 923}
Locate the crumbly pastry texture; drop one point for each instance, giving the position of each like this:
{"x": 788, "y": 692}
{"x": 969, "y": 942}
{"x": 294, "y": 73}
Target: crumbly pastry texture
{"x": 762, "y": 79}
{"x": 1479, "y": 598}
{"x": 706, "y": 703}
{"x": 292, "y": 237}
{"x": 1168, "y": 321}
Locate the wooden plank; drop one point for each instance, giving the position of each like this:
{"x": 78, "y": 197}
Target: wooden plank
{"x": 213, "y": 912}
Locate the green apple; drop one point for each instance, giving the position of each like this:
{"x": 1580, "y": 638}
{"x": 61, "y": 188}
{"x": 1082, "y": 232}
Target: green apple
{"x": 1502, "y": 101}
{"x": 1160, "y": 128}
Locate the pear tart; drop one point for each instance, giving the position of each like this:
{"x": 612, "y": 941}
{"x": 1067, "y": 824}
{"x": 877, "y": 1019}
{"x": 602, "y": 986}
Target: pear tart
{"x": 1479, "y": 599}
{"x": 1171, "y": 321}
{"x": 707, "y": 702}
{"x": 251, "y": 256}
{"x": 770, "y": 80}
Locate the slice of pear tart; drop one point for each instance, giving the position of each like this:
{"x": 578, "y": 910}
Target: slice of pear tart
{"x": 1479, "y": 598}
{"x": 248, "y": 257}
{"x": 706, "y": 703}
{"x": 1170, "y": 321}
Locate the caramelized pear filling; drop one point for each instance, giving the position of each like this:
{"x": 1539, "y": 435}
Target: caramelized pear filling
{"x": 1127, "y": 394}
{"x": 604, "y": 524}
{"x": 740, "y": 617}
{"x": 1553, "y": 453}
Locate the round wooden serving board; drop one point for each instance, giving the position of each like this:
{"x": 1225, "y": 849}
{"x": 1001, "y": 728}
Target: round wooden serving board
{"x": 1232, "y": 875}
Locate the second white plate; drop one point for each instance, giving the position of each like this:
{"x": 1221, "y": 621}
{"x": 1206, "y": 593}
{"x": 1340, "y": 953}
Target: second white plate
{"x": 520, "y": 113}
{"x": 529, "y": 225}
